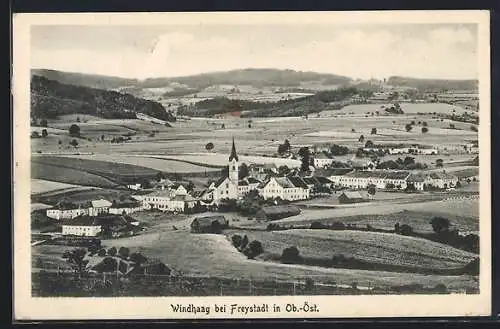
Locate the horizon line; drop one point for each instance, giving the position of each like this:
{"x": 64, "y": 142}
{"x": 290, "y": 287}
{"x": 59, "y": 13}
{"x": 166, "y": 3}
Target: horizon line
{"x": 250, "y": 68}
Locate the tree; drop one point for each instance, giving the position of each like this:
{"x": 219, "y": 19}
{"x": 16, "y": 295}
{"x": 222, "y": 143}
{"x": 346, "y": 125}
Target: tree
{"x": 405, "y": 229}
{"x": 101, "y": 252}
{"x": 124, "y": 252}
{"x": 244, "y": 241}
{"x": 44, "y": 133}
{"x": 372, "y": 190}
{"x": 73, "y": 143}
{"x": 440, "y": 224}
{"x": 424, "y": 123}
{"x": 137, "y": 258}
{"x": 43, "y": 123}
{"x": 102, "y": 137}
{"x": 209, "y": 146}
{"x": 254, "y": 249}
{"x": 76, "y": 258}
{"x": 424, "y": 130}
{"x": 112, "y": 251}
{"x": 408, "y": 127}
{"x": 287, "y": 145}
{"x": 74, "y": 130}
{"x": 35, "y": 134}
{"x": 77, "y": 119}
{"x": 374, "y": 131}
{"x": 305, "y": 158}
{"x": 243, "y": 171}
{"x": 361, "y": 139}
{"x": 290, "y": 255}
{"x": 159, "y": 176}
{"x": 439, "y": 162}
{"x": 236, "y": 239}
{"x": 369, "y": 144}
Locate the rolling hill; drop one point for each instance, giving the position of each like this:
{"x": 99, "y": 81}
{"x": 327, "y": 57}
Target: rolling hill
{"x": 255, "y": 77}
{"x": 85, "y": 80}
{"x": 434, "y": 85}
{"x": 50, "y": 98}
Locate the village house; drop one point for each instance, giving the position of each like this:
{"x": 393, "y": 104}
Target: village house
{"x": 175, "y": 200}
{"x": 321, "y": 160}
{"x": 286, "y": 188}
{"x": 125, "y": 207}
{"x": 209, "y": 224}
{"x": 66, "y": 211}
{"x": 362, "y": 164}
{"x": 81, "y": 226}
{"x": 98, "y": 207}
{"x": 441, "y": 180}
{"x": 135, "y": 187}
{"x": 361, "y": 179}
{"x": 246, "y": 185}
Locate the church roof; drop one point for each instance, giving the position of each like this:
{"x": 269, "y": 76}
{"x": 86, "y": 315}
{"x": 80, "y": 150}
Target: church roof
{"x": 233, "y": 153}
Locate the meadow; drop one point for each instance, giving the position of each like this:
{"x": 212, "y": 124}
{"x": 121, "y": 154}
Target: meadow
{"x": 372, "y": 247}
{"x": 43, "y": 186}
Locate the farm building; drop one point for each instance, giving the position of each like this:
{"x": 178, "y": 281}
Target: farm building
{"x": 125, "y": 207}
{"x": 321, "y": 160}
{"x": 351, "y": 197}
{"x": 209, "y": 224}
{"x": 81, "y": 226}
{"x": 135, "y": 187}
{"x": 100, "y": 206}
{"x": 286, "y": 188}
{"x": 361, "y": 179}
{"x": 277, "y": 212}
{"x": 65, "y": 210}
{"x": 441, "y": 180}
{"x": 169, "y": 200}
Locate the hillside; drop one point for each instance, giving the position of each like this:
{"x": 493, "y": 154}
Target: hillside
{"x": 49, "y": 99}
{"x": 321, "y": 101}
{"x": 251, "y": 76}
{"x": 434, "y": 85}
{"x": 85, "y": 80}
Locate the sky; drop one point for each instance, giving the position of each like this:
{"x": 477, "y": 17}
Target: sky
{"x": 447, "y": 51}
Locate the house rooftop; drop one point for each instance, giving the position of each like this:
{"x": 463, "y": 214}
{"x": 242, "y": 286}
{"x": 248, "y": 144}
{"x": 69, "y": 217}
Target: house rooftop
{"x": 101, "y": 203}
{"x": 208, "y": 220}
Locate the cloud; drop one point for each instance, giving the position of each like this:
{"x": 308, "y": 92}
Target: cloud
{"x": 359, "y": 53}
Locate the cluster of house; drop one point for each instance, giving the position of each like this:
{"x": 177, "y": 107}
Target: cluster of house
{"x": 393, "y": 149}
{"x": 393, "y": 179}
{"x": 105, "y": 224}
{"x": 68, "y": 210}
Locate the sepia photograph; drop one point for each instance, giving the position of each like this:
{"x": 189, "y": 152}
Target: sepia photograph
{"x": 252, "y": 164}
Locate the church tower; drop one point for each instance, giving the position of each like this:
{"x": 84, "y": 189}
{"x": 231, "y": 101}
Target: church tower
{"x": 233, "y": 165}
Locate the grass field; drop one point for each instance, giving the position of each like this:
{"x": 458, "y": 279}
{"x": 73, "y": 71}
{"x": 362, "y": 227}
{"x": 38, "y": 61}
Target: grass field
{"x": 56, "y": 173}
{"x": 418, "y": 220}
{"x": 156, "y": 163}
{"x": 110, "y": 170}
{"x": 459, "y": 207}
{"x": 374, "y": 247}
{"x": 42, "y": 186}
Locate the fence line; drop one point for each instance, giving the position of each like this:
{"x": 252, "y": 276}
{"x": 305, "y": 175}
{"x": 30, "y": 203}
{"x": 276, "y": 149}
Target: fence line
{"x": 155, "y": 284}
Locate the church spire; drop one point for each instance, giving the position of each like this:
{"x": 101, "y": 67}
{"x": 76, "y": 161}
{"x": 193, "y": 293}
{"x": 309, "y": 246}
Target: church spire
{"x": 233, "y": 153}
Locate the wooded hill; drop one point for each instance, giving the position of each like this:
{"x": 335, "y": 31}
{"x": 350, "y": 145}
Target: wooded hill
{"x": 434, "y": 85}
{"x": 49, "y": 99}
{"x": 321, "y": 101}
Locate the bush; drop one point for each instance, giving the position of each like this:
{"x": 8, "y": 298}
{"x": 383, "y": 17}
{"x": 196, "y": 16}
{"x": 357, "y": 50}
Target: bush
{"x": 254, "y": 249}
{"x": 124, "y": 252}
{"x": 74, "y": 130}
{"x": 236, "y": 239}
{"x": 101, "y": 252}
{"x": 112, "y": 251}
{"x": 317, "y": 225}
{"x": 309, "y": 286}
{"x": 290, "y": 255}
{"x": 137, "y": 258}
{"x": 405, "y": 229}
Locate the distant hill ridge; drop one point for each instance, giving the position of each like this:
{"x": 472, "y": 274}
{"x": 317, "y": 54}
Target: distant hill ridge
{"x": 434, "y": 85}
{"x": 50, "y": 98}
{"x": 251, "y": 76}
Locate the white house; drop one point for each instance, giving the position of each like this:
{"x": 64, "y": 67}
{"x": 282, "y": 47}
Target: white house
{"x": 100, "y": 206}
{"x": 321, "y": 160}
{"x": 58, "y": 213}
{"x": 361, "y": 179}
{"x": 286, "y": 188}
{"x": 81, "y": 226}
{"x": 168, "y": 200}
{"x": 134, "y": 187}
{"x": 125, "y": 207}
